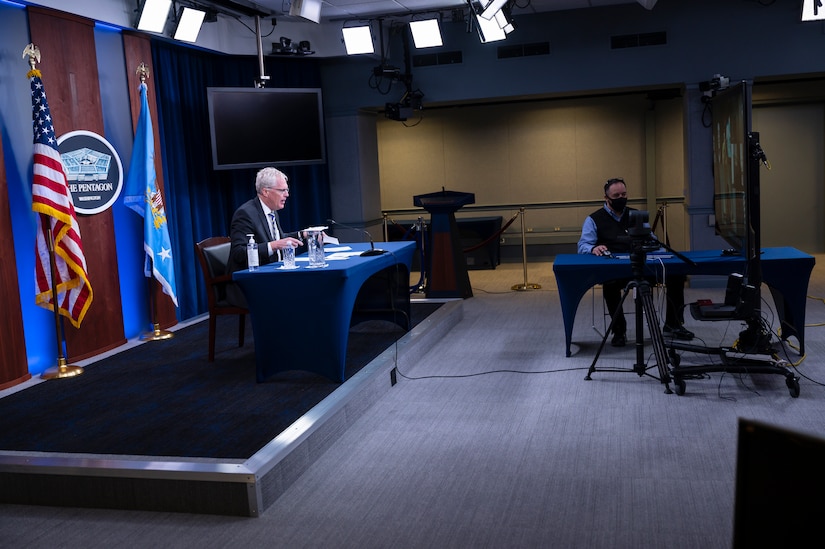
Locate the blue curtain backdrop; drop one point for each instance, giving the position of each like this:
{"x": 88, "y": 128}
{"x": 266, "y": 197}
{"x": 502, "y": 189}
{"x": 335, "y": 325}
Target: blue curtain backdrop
{"x": 200, "y": 200}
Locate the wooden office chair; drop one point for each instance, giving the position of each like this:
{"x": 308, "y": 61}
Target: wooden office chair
{"x": 213, "y": 255}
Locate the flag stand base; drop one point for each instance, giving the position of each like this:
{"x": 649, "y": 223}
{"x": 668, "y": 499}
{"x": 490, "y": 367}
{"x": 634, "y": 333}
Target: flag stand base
{"x": 157, "y": 334}
{"x": 62, "y": 370}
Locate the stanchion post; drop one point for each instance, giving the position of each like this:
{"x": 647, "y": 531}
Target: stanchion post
{"x": 526, "y": 286}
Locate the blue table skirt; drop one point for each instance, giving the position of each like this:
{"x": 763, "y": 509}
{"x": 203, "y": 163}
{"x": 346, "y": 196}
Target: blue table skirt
{"x": 301, "y": 318}
{"x": 786, "y": 271}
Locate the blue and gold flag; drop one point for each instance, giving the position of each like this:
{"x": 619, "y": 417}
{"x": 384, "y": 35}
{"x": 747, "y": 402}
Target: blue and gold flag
{"x": 143, "y": 196}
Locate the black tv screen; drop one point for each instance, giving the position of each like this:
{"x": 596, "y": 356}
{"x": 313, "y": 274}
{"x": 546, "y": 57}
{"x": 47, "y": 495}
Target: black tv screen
{"x": 731, "y": 127}
{"x": 256, "y": 127}
{"x": 777, "y": 469}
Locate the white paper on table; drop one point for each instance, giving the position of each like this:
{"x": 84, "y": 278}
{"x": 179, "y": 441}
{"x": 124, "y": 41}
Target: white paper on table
{"x": 341, "y": 255}
{"x": 654, "y": 257}
{"x": 333, "y": 249}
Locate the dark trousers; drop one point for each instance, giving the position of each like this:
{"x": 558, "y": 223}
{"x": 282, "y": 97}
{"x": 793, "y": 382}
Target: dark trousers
{"x": 675, "y": 301}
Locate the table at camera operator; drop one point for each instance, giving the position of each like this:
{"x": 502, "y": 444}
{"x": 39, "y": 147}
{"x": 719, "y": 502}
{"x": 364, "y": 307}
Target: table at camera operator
{"x": 301, "y": 317}
{"x": 785, "y": 271}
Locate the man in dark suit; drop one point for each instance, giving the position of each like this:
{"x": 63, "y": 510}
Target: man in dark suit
{"x": 605, "y": 232}
{"x": 259, "y": 217}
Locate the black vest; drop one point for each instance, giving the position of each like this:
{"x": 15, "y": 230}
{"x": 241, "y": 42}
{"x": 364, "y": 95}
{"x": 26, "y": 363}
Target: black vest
{"x": 610, "y": 232}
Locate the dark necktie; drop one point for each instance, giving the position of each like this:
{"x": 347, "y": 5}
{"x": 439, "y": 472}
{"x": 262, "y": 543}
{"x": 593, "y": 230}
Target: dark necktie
{"x": 276, "y": 234}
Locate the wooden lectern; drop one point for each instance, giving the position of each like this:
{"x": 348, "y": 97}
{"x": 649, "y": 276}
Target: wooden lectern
{"x": 446, "y": 265}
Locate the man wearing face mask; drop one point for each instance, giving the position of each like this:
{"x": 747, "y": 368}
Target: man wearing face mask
{"x": 602, "y": 234}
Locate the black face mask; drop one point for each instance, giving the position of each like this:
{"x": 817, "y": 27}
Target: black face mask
{"x": 618, "y": 204}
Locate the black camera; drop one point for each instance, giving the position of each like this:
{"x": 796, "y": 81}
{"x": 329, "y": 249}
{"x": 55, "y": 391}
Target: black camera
{"x": 641, "y": 236}
{"x": 715, "y": 84}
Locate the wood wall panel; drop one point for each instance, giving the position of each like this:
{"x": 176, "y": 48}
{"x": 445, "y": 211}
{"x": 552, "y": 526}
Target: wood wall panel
{"x": 137, "y": 50}
{"x": 69, "y": 67}
{"x": 14, "y": 366}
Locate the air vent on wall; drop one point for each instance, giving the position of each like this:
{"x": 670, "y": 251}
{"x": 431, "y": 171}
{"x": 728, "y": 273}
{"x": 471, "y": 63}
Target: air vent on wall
{"x": 523, "y": 50}
{"x": 444, "y": 58}
{"x": 638, "y": 40}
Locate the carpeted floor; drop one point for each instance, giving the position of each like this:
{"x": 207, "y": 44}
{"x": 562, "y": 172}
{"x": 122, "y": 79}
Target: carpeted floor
{"x": 163, "y": 398}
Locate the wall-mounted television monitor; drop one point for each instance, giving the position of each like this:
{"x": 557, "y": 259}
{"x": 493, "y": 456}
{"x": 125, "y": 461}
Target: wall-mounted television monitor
{"x": 731, "y": 110}
{"x": 257, "y": 127}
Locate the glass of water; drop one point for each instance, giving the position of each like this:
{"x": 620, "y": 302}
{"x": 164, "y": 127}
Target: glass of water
{"x": 289, "y": 257}
{"x": 316, "y": 249}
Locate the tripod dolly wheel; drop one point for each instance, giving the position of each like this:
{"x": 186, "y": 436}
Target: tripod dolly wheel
{"x": 679, "y": 386}
{"x": 793, "y": 385}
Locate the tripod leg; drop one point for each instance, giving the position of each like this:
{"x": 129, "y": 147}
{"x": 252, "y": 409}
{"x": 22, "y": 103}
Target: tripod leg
{"x": 608, "y": 332}
{"x": 655, "y": 329}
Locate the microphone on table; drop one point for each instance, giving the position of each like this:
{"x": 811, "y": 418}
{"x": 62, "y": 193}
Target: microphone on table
{"x": 366, "y": 253}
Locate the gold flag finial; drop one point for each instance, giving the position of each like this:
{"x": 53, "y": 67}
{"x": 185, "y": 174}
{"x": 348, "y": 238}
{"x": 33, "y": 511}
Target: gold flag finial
{"x": 142, "y": 72}
{"x": 33, "y": 53}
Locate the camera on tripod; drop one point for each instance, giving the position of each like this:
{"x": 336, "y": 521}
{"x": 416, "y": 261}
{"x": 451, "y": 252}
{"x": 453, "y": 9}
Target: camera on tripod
{"x": 641, "y": 236}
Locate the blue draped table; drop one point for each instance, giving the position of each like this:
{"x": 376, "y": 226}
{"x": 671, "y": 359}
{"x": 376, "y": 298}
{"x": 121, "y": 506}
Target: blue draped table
{"x": 301, "y": 317}
{"x": 786, "y": 271}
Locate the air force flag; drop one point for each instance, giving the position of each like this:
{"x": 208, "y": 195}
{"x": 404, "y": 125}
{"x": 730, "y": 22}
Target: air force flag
{"x": 143, "y": 196}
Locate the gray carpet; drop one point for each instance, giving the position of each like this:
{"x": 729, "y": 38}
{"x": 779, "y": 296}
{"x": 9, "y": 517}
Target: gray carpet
{"x": 494, "y": 439}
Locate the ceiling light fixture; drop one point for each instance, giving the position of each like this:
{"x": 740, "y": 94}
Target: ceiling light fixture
{"x": 488, "y": 30}
{"x": 491, "y": 8}
{"x": 505, "y": 21}
{"x": 308, "y": 9}
{"x": 189, "y": 24}
{"x": 812, "y": 10}
{"x": 426, "y": 33}
{"x": 358, "y": 40}
{"x": 153, "y": 15}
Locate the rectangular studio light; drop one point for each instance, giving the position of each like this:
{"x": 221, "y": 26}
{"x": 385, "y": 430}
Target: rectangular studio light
{"x": 504, "y": 22}
{"x": 189, "y": 25}
{"x": 491, "y": 8}
{"x": 358, "y": 40}
{"x": 308, "y": 9}
{"x": 813, "y": 10}
{"x": 154, "y": 14}
{"x": 488, "y": 30}
{"x": 426, "y": 34}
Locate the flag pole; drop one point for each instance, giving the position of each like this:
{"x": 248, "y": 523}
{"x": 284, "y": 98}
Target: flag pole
{"x": 156, "y": 334}
{"x": 62, "y": 369}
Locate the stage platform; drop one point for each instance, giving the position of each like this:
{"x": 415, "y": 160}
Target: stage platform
{"x": 223, "y": 485}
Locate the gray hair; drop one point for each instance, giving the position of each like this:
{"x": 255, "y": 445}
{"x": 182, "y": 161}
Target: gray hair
{"x": 268, "y": 177}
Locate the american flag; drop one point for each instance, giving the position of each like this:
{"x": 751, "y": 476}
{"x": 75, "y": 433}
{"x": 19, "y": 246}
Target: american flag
{"x": 53, "y": 202}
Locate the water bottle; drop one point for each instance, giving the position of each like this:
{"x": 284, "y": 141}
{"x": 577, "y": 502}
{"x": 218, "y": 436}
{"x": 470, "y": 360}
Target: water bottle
{"x": 252, "y": 253}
